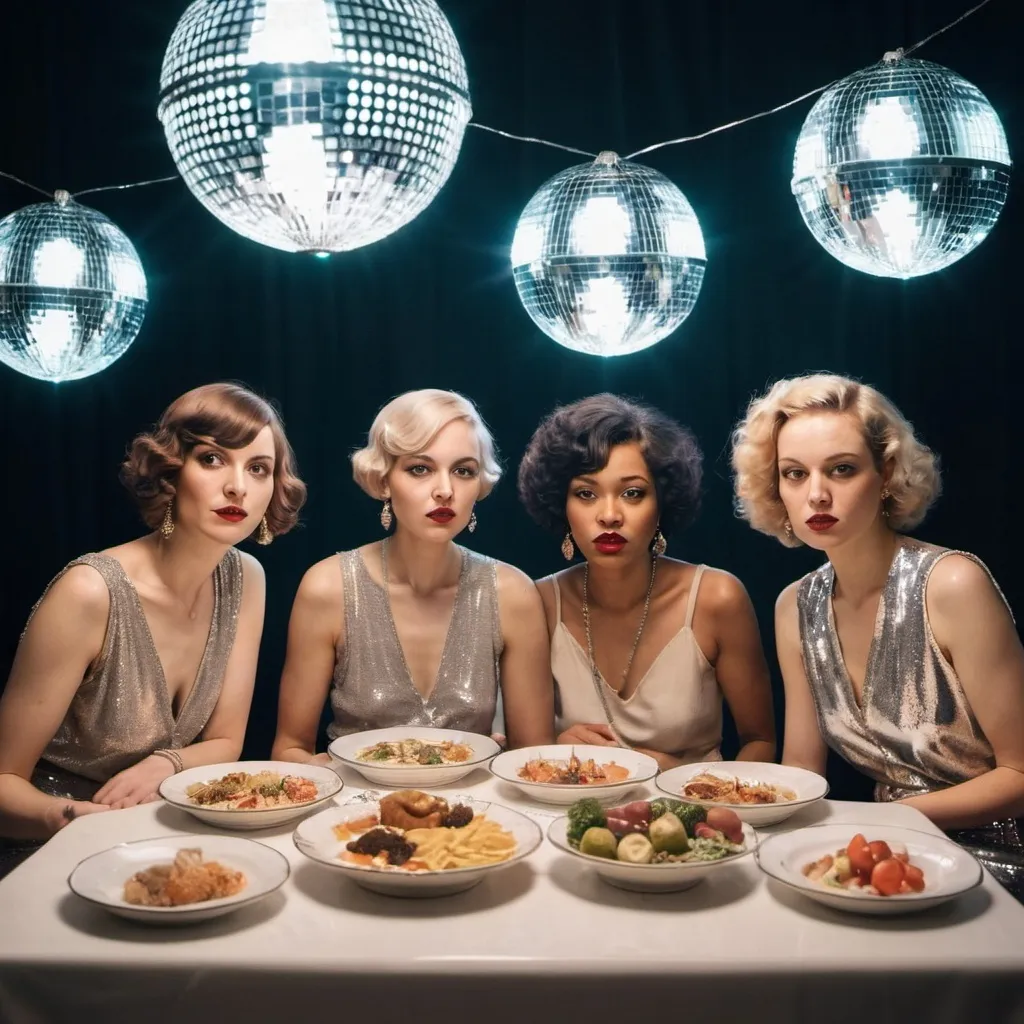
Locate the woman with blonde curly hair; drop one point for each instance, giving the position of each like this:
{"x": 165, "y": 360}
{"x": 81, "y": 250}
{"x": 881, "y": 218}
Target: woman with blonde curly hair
{"x": 901, "y": 656}
{"x": 415, "y": 629}
{"x": 139, "y": 661}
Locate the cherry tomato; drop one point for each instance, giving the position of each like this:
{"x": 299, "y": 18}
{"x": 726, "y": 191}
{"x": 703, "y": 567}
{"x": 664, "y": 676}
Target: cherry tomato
{"x": 860, "y": 856}
{"x": 887, "y": 876}
{"x": 879, "y": 851}
{"x": 913, "y": 877}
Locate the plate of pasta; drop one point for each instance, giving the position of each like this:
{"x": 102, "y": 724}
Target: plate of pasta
{"x": 251, "y": 794}
{"x": 761, "y": 793}
{"x": 559, "y": 774}
{"x": 411, "y": 843}
{"x": 413, "y": 755}
{"x": 177, "y": 880}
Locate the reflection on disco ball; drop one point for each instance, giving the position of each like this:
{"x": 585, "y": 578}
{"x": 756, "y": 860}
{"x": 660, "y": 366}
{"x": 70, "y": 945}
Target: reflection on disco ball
{"x": 608, "y": 257}
{"x": 72, "y": 291}
{"x": 314, "y": 125}
{"x": 901, "y": 169}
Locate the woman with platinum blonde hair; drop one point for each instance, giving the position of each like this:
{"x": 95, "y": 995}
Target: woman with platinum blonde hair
{"x": 414, "y": 629}
{"x": 901, "y": 656}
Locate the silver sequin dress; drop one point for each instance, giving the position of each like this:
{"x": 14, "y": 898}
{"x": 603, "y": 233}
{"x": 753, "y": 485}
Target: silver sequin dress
{"x": 914, "y": 731}
{"x": 122, "y": 710}
{"x": 372, "y": 687}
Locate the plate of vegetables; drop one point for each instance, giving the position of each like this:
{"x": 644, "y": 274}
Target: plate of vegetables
{"x": 661, "y": 845}
{"x": 870, "y": 869}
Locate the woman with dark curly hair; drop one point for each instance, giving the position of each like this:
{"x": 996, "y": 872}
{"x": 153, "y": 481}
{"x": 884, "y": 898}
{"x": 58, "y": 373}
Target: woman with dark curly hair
{"x": 643, "y": 647}
{"x": 139, "y": 661}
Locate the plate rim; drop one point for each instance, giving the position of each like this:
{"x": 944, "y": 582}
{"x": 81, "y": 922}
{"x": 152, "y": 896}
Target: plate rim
{"x": 184, "y": 805}
{"x": 681, "y": 866}
{"x": 199, "y": 906}
{"x": 907, "y": 898}
{"x": 353, "y": 762}
{"x": 341, "y": 865}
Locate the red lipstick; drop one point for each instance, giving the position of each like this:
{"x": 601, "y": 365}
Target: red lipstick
{"x": 822, "y": 522}
{"x": 232, "y": 513}
{"x": 610, "y": 543}
{"x": 442, "y": 514}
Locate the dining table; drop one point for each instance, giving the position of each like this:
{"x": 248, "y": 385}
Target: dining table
{"x": 544, "y": 939}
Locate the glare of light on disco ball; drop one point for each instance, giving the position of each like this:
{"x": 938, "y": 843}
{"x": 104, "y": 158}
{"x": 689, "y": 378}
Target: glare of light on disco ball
{"x": 72, "y": 290}
{"x": 314, "y": 125}
{"x": 901, "y": 169}
{"x": 608, "y": 257}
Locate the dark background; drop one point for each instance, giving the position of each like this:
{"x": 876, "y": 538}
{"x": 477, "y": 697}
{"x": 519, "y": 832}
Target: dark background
{"x": 435, "y": 306}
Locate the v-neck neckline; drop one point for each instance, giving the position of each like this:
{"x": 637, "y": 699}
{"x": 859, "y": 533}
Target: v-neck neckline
{"x": 867, "y": 683}
{"x": 168, "y": 702}
{"x": 394, "y": 628}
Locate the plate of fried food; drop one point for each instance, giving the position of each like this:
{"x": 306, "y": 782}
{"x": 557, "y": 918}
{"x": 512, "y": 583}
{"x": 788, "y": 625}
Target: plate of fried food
{"x": 559, "y": 774}
{"x": 413, "y": 755}
{"x": 760, "y": 792}
{"x": 178, "y": 880}
{"x": 870, "y": 869}
{"x": 251, "y": 794}
{"x": 412, "y": 843}
{"x": 660, "y": 845}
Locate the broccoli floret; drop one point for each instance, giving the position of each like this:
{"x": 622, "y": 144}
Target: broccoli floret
{"x": 583, "y": 814}
{"x": 688, "y": 814}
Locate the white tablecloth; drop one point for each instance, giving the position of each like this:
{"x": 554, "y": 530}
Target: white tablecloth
{"x": 544, "y": 940}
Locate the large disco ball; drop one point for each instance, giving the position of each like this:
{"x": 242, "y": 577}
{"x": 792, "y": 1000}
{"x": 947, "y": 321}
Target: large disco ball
{"x": 608, "y": 257}
{"x": 901, "y": 169}
{"x": 72, "y": 291}
{"x": 314, "y": 125}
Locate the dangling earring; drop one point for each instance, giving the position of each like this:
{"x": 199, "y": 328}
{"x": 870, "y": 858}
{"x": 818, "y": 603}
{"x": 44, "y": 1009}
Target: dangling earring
{"x": 265, "y": 536}
{"x": 385, "y": 514}
{"x": 472, "y": 522}
{"x": 567, "y": 549}
{"x": 886, "y": 495}
{"x": 789, "y": 527}
{"x": 660, "y": 544}
{"x": 167, "y": 526}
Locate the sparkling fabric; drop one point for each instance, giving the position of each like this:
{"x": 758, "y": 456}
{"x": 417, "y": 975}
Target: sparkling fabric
{"x": 372, "y": 688}
{"x": 122, "y": 709}
{"x": 914, "y": 731}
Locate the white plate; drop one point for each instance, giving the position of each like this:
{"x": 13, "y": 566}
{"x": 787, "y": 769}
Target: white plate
{"x": 808, "y": 786}
{"x": 642, "y": 768}
{"x": 671, "y": 877}
{"x": 948, "y": 869}
{"x": 173, "y": 788}
{"x": 345, "y": 748}
{"x": 100, "y": 878}
{"x": 316, "y": 839}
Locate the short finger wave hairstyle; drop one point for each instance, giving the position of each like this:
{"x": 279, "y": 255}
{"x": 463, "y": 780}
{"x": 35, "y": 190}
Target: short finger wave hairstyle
{"x": 227, "y": 415}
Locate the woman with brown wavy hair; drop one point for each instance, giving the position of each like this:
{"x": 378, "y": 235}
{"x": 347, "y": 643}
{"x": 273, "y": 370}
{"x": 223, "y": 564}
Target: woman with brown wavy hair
{"x": 139, "y": 661}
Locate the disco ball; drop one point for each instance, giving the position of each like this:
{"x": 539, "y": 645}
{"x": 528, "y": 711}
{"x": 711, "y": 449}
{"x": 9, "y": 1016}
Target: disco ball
{"x": 314, "y": 125}
{"x": 72, "y": 291}
{"x": 901, "y": 169}
{"x": 608, "y": 257}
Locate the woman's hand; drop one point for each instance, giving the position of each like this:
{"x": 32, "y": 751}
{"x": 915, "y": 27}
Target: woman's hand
{"x": 65, "y": 811}
{"x": 596, "y": 734}
{"x": 135, "y": 785}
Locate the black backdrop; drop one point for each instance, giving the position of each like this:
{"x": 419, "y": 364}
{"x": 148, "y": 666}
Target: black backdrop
{"x": 435, "y": 305}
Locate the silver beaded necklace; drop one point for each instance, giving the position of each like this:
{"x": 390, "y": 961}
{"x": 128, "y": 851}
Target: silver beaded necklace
{"x": 595, "y": 674}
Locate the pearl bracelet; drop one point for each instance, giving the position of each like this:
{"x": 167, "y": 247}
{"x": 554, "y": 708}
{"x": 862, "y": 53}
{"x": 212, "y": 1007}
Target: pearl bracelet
{"x": 174, "y": 757}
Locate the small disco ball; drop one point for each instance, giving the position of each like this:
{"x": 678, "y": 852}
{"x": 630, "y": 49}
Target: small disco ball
{"x": 314, "y": 125}
{"x": 608, "y": 257}
{"x": 72, "y": 290}
{"x": 901, "y": 169}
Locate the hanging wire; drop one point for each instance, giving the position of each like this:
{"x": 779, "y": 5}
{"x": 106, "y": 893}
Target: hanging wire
{"x": 134, "y": 184}
{"x": 891, "y": 55}
{"x": 529, "y": 138}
